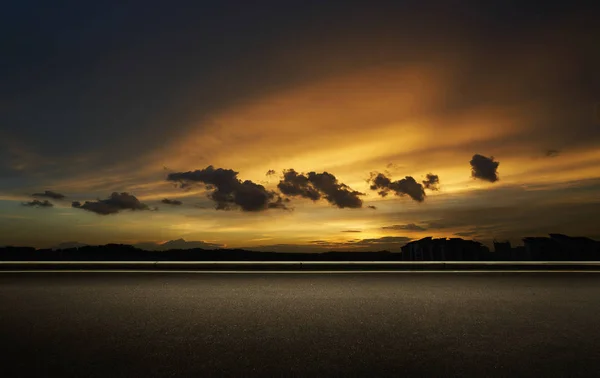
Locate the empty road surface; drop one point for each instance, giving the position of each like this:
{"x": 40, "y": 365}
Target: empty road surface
{"x": 237, "y": 325}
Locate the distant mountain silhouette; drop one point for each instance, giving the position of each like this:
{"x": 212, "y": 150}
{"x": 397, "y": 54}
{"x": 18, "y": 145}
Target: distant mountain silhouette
{"x": 69, "y": 244}
{"x": 176, "y": 244}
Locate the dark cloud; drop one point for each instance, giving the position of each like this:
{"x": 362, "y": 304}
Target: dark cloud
{"x": 315, "y": 186}
{"x": 351, "y": 231}
{"x": 49, "y": 194}
{"x": 552, "y": 153}
{"x": 431, "y": 182}
{"x": 405, "y": 227}
{"x": 228, "y": 191}
{"x": 406, "y": 186}
{"x": 112, "y": 205}
{"x": 38, "y": 203}
{"x": 484, "y": 168}
{"x": 372, "y": 207}
{"x": 294, "y": 184}
{"x": 381, "y": 182}
{"x": 171, "y": 202}
{"x": 271, "y": 172}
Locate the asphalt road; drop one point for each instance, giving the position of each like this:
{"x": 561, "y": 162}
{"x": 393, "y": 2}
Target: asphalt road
{"x": 404, "y": 324}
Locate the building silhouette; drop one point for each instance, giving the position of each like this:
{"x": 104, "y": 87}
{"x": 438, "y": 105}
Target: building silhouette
{"x": 503, "y": 251}
{"x": 561, "y": 247}
{"x": 443, "y": 249}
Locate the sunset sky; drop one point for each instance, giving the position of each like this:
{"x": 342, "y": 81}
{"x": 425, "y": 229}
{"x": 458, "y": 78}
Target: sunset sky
{"x": 298, "y": 125}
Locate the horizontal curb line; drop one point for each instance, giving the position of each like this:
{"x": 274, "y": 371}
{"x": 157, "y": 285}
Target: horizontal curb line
{"x": 300, "y": 266}
{"x": 398, "y": 263}
{"x": 297, "y": 271}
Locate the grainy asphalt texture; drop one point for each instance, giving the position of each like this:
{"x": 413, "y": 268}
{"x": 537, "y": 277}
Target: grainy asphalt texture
{"x": 407, "y": 324}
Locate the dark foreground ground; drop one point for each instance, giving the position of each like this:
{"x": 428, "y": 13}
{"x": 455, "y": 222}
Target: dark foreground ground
{"x": 314, "y": 324}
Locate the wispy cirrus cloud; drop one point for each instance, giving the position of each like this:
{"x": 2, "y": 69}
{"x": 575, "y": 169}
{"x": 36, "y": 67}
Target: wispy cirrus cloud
{"x": 404, "y": 227}
{"x": 49, "y": 194}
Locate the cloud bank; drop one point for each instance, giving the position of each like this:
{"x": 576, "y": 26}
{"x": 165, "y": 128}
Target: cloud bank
{"x": 406, "y": 186}
{"x": 228, "y": 191}
{"x": 315, "y": 186}
{"x": 112, "y": 205}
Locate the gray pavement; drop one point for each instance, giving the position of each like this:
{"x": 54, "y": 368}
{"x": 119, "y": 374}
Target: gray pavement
{"x": 400, "y": 324}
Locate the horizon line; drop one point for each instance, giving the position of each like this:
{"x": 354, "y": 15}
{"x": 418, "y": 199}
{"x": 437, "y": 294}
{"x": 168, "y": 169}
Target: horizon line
{"x": 253, "y": 248}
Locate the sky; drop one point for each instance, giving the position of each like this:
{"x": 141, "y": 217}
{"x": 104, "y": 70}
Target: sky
{"x": 298, "y": 125}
